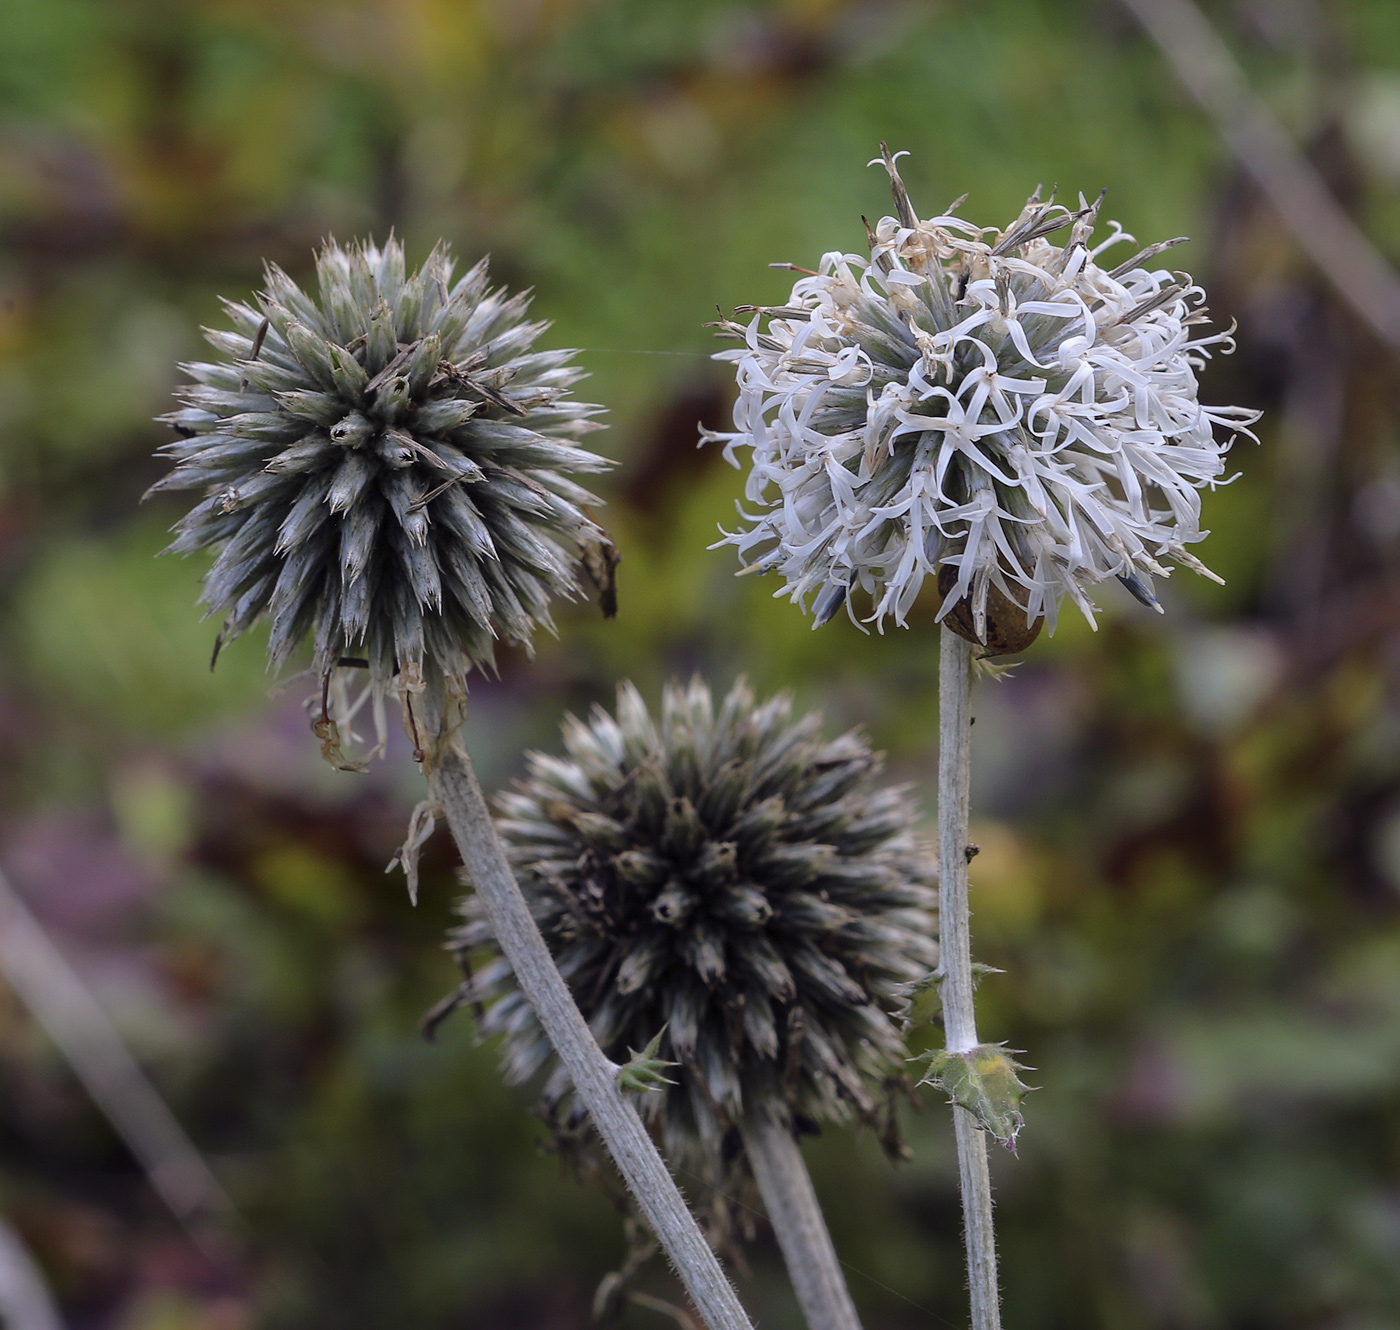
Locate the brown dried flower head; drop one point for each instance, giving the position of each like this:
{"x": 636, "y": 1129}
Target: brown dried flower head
{"x": 732, "y": 881}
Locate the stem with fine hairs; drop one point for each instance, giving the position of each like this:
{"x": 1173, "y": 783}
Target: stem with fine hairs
{"x": 454, "y": 785}
{"x": 791, "y": 1202}
{"x": 955, "y": 944}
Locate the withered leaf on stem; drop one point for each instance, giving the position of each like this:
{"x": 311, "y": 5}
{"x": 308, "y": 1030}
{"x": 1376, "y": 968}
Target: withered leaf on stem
{"x": 598, "y": 559}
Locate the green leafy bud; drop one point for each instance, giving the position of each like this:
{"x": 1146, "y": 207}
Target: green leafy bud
{"x": 646, "y": 1071}
{"x": 983, "y": 1080}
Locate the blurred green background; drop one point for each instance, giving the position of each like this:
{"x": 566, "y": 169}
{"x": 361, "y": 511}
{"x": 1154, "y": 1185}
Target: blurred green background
{"x": 1189, "y": 825}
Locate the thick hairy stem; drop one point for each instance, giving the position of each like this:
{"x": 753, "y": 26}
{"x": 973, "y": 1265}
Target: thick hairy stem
{"x": 454, "y": 785}
{"x": 955, "y": 950}
{"x": 797, "y": 1221}
{"x": 978, "y": 1233}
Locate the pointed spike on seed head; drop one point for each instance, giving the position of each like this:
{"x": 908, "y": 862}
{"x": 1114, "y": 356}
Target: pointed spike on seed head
{"x": 380, "y": 343}
{"x": 905, "y": 209}
{"x": 1141, "y": 590}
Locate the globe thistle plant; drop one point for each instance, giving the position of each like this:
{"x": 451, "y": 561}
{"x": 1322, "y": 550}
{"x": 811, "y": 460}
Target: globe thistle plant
{"x": 733, "y": 882}
{"x": 386, "y": 473}
{"x": 1019, "y": 414}
{"x": 1015, "y": 419}
{"x": 386, "y": 469}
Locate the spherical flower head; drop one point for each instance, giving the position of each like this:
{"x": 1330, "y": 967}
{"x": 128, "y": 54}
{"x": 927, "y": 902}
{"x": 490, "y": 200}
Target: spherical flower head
{"x": 385, "y": 467}
{"x": 733, "y": 882}
{"x": 1007, "y": 414}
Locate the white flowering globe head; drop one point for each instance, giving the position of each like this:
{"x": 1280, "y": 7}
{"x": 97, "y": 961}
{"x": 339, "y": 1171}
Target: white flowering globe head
{"x": 1003, "y": 413}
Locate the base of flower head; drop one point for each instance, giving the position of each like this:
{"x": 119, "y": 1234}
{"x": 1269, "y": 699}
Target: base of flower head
{"x": 995, "y": 622}
{"x": 349, "y": 699}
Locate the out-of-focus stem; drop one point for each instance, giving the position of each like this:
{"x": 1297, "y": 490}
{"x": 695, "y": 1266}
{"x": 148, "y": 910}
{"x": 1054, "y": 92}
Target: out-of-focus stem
{"x": 791, "y": 1202}
{"x": 454, "y": 785}
{"x": 955, "y": 949}
{"x": 1324, "y": 229}
{"x": 77, "y": 1023}
{"x": 25, "y": 1301}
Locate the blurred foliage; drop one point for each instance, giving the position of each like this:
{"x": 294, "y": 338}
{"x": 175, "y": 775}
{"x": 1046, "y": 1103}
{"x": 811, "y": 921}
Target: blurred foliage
{"x": 1189, "y": 826}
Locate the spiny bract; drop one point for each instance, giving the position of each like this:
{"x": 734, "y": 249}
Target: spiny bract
{"x": 977, "y": 400}
{"x": 384, "y": 467}
{"x": 734, "y": 880}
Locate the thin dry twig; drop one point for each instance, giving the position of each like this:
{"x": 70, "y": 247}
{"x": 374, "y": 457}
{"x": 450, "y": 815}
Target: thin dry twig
{"x": 1322, "y": 227}
{"x": 74, "y": 1019}
{"x": 677, "y": 1314}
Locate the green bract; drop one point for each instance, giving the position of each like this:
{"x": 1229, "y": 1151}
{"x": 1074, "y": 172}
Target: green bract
{"x": 982, "y": 1080}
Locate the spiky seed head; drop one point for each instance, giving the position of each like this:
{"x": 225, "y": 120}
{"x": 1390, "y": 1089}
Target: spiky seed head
{"x": 733, "y": 880}
{"x": 385, "y": 467}
{"x": 1007, "y": 414}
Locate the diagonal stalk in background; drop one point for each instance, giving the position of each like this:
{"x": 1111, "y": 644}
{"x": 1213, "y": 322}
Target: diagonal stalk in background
{"x": 954, "y": 932}
{"x": 454, "y": 785}
{"x": 1324, "y": 229}
{"x": 79, "y": 1026}
{"x": 25, "y": 1300}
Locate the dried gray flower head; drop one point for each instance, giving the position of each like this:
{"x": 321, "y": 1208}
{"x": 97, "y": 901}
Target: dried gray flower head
{"x": 385, "y": 469}
{"x": 980, "y": 405}
{"x": 732, "y": 881}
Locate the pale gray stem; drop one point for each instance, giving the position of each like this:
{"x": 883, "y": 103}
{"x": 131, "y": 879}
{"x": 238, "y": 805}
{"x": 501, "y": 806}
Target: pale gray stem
{"x": 1320, "y": 225}
{"x": 955, "y": 951}
{"x": 454, "y": 785}
{"x": 25, "y": 1300}
{"x": 77, "y": 1023}
{"x": 797, "y": 1221}
{"x": 978, "y": 1232}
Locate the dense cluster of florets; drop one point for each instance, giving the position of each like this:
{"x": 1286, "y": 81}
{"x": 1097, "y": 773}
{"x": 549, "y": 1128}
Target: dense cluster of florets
{"x": 733, "y": 880}
{"x": 385, "y": 468}
{"x": 982, "y": 402}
